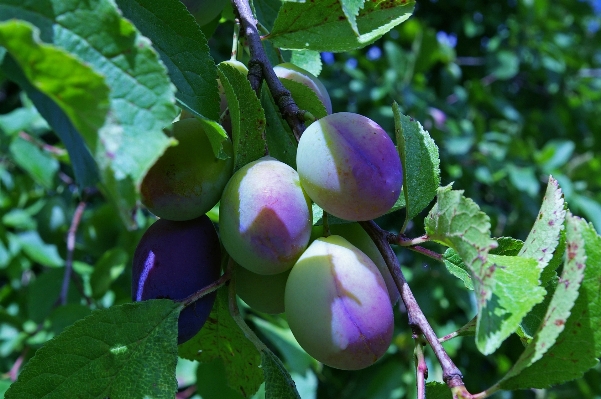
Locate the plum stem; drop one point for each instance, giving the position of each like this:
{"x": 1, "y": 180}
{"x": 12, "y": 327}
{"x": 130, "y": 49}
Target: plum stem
{"x": 417, "y": 320}
{"x": 410, "y": 243}
{"x": 260, "y": 68}
{"x": 235, "y": 37}
{"x": 214, "y": 286}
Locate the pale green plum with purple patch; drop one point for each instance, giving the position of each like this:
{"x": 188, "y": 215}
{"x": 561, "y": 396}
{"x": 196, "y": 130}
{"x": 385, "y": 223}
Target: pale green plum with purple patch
{"x": 265, "y": 217}
{"x": 349, "y": 166}
{"x": 337, "y": 305}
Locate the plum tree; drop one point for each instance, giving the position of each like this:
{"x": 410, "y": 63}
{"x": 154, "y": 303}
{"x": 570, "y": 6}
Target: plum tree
{"x": 354, "y": 234}
{"x": 175, "y": 259}
{"x": 290, "y": 71}
{"x": 349, "y": 166}
{"x": 262, "y": 292}
{"x": 187, "y": 180}
{"x": 265, "y": 216}
{"x": 337, "y": 305}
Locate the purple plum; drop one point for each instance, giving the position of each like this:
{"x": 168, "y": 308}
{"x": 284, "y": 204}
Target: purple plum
{"x": 175, "y": 259}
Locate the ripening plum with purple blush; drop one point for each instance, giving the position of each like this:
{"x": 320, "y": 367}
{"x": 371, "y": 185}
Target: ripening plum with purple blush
{"x": 349, "y": 166}
{"x": 337, "y": 305}
{"x": 174, "y": 260}
{"x": 265, "y": 217}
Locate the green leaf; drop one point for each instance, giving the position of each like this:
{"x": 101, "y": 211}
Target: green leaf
{"x": 545, "y": 234}
{"x": 183, "y": 49}
{"x": 211, "y": 381}
{"x": 278, "y": 383}
{"x": 106, "y": 270}
{"x": 84, "y": 166}
{"x": 43, "y": 293}
{"x": 282, "y": 338}
{"x": 457, "y": 222}
{"x": 266, "y": 11}
{"x": 39, "y": 164}
{"x": 508, "y": 246}
{"x": 421, "y": 164}
{"x": 280, "y": 140}
{"x": 305, "y": 98}
{"x": 141, "y": 97}
{"x": 568, "y": 341}
{"x": 248, "y": 118}
{"x": 308, "y": 60}
{"x": 323, "y": 26}
{"x": 438, "y": 390}
{"x": 38, "y": 250}
{"x": 351, "y": 10}
{"x": 127, "y": 351}
{"x": 516, "y": 291}
{"x": 457, "y": 268}
{"x": 221, "y": 338}
{"x": 75, "y": 87}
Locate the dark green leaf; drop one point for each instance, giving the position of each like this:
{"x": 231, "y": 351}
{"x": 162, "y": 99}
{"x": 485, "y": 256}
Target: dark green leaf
{"x": 127, "y": 351}
{"x": 248, "y": 118}
{"x": 183, "y": 49}
{"x": 280, "y": 140}
{"x": 221, "y": 338}
{"x": 278, "y": 383}
{"x": 421, "y": 164}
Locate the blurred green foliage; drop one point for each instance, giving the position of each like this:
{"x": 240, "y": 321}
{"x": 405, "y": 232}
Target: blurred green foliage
{"x": 510, "y": 91}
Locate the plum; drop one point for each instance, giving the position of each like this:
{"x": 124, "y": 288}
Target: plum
{"x": 290, "y": 71}
{"x": 354, "y": 234}
{"x": 187, "y": 180}
{"x": 265, "y": 216}
{"x": 175, "y": 259}
{"x": 337, "y": 305}
{"x": 262, "y": 292}
{"x": 349, "y": 166}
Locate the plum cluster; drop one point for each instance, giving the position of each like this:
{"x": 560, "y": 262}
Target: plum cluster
{"x": 336, "y": 290}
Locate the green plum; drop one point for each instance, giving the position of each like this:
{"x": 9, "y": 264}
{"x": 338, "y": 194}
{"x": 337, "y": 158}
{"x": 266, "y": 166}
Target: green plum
{"x": 187, "y": 180}
{"x": 337, "y": 305}
{"x": 262, "y": 292}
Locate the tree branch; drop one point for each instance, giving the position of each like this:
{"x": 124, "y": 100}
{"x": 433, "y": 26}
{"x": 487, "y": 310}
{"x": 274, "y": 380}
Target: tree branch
{"x": 260, "y": 68}
{"x": 417, "y": 320}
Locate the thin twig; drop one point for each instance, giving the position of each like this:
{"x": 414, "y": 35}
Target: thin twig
{"x": 260, "y": 68}
{"x": 214, "y": 286}
{"x": 62, "y": 300}
{"x": 421, "y": 368}
{"x": 402, "y": 240}
{"x": 417, "y": 320}
{"x": 14, "y": 370}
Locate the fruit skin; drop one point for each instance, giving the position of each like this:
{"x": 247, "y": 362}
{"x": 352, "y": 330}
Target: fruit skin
{"x": 290, "y": 71}
{"x": 187, "y": 180}
{"x": 265, "y": 217}
{"x": 337, "y": 305}
{"x": 354, "y": 234}
{"x": 349, "y": 166}
{"x": 262, "y": 292}
{"x": 175, "y": 259}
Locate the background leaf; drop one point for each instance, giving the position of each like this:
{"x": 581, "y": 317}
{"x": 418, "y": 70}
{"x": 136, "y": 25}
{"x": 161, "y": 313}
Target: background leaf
{"x": 278, "y": 383}
{"x": 104, "y": 352}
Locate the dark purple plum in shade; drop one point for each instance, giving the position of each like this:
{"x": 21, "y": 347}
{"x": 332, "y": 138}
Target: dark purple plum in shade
{"x": 172, "y": 261}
